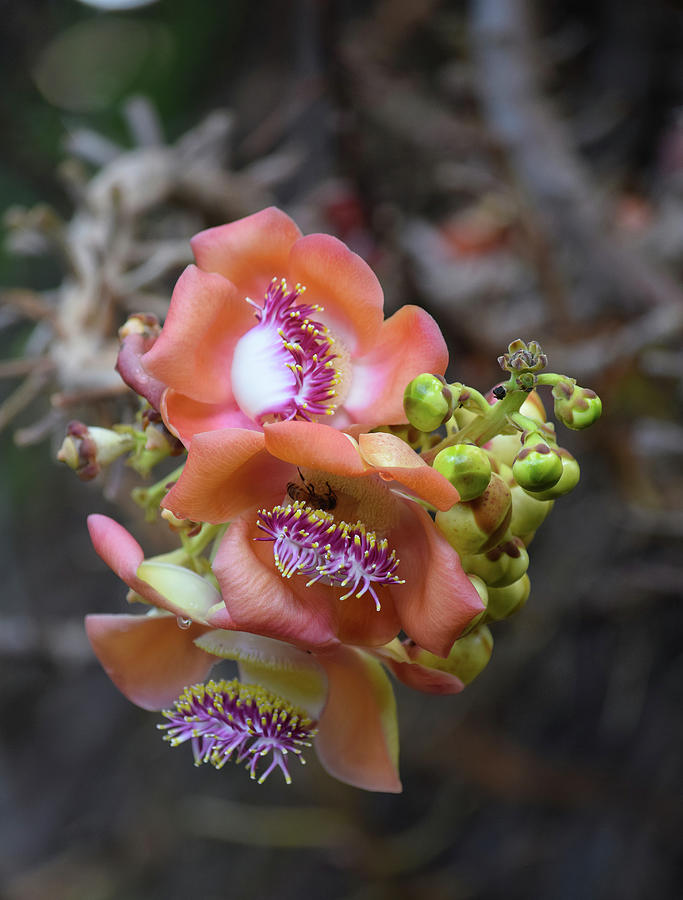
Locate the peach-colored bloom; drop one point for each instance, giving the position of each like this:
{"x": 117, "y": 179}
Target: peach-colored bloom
{"x": 271, "y": 326}
{"x": 353, "y": 560}
{"x": 152, "y": 658}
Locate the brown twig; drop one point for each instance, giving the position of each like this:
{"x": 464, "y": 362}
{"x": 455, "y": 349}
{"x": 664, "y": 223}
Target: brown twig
{"x": 605, "y": 274}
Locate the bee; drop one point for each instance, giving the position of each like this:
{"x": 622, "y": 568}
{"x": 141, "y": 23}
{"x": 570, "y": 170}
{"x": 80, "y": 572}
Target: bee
{"x": 306, "y": 492}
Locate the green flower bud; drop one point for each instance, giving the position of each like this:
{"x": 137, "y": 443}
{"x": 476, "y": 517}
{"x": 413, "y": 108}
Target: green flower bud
{"x": 568, "y": 480}
{"x": 576, "y": 407}
{"x": 505, "y": 601}
{"x": 86, "y": 449}
{"x": 468, "y": 657}
{"x": 537, "y": 466}
{"x": 527, "y": 512}
{"x": 476, "y": 525}
{"x": 428, "y": 402}
{"x": 501, "y": 565}
{"x": 480, "y": 587}
{"x": 467, "y": 467}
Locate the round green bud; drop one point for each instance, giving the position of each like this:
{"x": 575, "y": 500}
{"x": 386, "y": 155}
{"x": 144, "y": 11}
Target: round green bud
{"x": 467, "y": 467}
{"x": 475, "y": 525}
{"x": 528, "y": 513}
{"x": 505, "y": 601}
{"x": 576, "y": 407}
{"x": 501, "y": 565}
{"x": 537, "y": 466}
{"x": 428, "y": 402}
{"x": 568, "y": 480}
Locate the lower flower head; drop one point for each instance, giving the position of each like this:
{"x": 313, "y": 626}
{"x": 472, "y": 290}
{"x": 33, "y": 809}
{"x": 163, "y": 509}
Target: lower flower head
{"x": 227, "y": 719}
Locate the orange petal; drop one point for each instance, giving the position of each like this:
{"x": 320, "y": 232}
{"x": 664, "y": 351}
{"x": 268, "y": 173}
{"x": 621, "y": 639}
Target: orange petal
{"x": 185, "y": 417}
{"x": 130, "y": 368}
{"x": 395, "y": 459}
{"x": 226, "y": 472}
{"x": 344, "y": 285}
{"x": 122, "y": 553}
{"x": 206, "y": 318}
{"x": 438, "y": 600}
{"x": 260, "y": 601}
{"x": 357, "y": 739}
{"x": 312, "y": 445}
{"x": 360, "y": 622}
{"x": 250, "y": 251}
{"x": 149, "y": 658}
{"x": 422, "y": 678}
{"x": 408, "y": 344}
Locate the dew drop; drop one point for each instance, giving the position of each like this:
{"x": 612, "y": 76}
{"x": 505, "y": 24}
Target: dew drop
{"x": 184, "y": 622}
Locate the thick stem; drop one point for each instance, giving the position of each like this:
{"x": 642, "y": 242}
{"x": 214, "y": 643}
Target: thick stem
{"x": 485, "y": 426}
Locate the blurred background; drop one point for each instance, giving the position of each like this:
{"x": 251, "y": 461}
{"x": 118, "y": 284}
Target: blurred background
{"x": 515, "y": 167}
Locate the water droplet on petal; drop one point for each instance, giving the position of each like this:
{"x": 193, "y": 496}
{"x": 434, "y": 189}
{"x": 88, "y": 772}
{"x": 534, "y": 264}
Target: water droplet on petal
{"x": 183, "y": 622}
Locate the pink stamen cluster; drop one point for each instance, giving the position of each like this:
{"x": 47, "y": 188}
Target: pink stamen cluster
{"x": 310, "y": 542}
{"x": 308, "y": 345}
{"x": 226, "y": 718}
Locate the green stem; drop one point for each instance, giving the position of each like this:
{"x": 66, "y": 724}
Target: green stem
{"x": 150, "y": 498}
{"x": 485, "y": 426}
{"x": 551, "y": 379}
{"x": 524, "y": 423}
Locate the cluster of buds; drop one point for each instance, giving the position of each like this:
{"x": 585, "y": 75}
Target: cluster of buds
{"x": 318, "y": 552}
{"x": 501, "y": 454}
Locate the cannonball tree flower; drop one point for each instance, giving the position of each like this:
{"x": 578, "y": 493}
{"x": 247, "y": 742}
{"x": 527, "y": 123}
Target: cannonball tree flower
{"x": 328, "y": 542}
{"x": 274, "y": 326}
{"x": 340, "y": 699}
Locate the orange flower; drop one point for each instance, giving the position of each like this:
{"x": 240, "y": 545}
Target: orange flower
{"x": 153, "y": 658}
{"x": 327, "y": 544}
{"x": 274, "y": 326}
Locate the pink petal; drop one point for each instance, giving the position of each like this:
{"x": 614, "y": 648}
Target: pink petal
{"x": 438, "y": 600}
{"x": 227, "y": 472}
{"x": 130, "y": 368}
{"x": 342, "y": 283}
{"x": 260, "y": 601}
{"x": 206, "y": 318}
{"x": 122, "y": 553}
{"x": 357, "y": 740}
{"x": 185, "y": 417}
{"x": 395, "y": 459}
{"x": 317, "y": 446}
{"x": 422, "y": 678}
{"x": 250, "y": 251}
{"x": 409, "y": 343}
{"x": 149, "y": 658}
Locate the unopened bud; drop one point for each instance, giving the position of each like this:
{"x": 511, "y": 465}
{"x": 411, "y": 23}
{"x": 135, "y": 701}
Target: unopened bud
{"x": 501, "y": 565}
{"x": 145, "y": 324}
{"x": 86, "y": 450}
{"x": 528, "y": 513}
{"x": 428, "y": 402}
{"x": 467, "y": 467}
{"x": 568, "y": 480}
{"x": 537, "y": 466}
{"x": 480, "y": 587}
{"x": 522, "y": 357}
{"x": 468, "y": 657}
{"x": 476, "y": 525}
{"x": 576, "y": 407}
{"x": 505, "y": 601}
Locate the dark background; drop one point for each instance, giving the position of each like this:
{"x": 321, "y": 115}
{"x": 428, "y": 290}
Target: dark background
{"x": 516, "y": 168}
